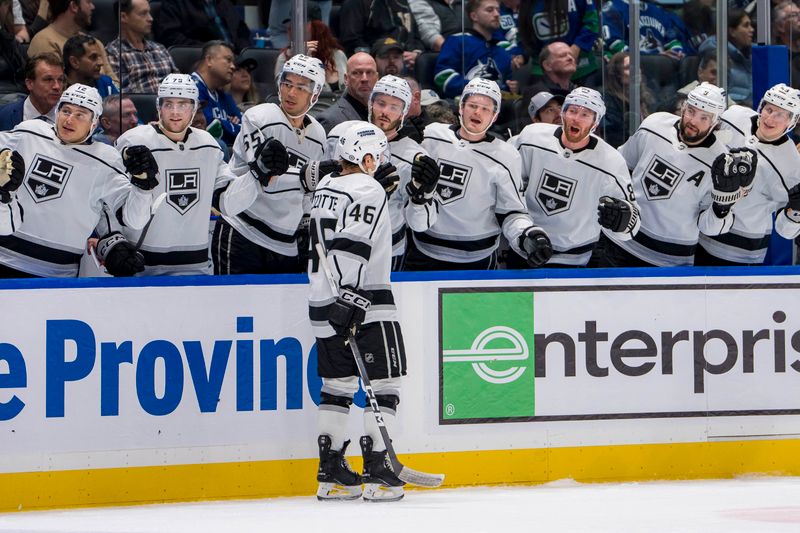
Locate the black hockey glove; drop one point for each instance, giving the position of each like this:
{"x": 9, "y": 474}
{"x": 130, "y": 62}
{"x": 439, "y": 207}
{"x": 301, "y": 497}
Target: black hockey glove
{"x": 12, "y": 171}
{"x": 744, "y": 165}
{"x": 271, "y": 159}
{"x": 120, "y": 257}
{"x": 141, "y": 165}
{"x": 349, "y": 310}
{"x": 386, "y": 174}
{"x": 424, "y": 178}
{"x": 617, "y": 215}
{"x": 311, "y": 173}
{"x": 535, "y": 246}
{"x": 794, "y": 198}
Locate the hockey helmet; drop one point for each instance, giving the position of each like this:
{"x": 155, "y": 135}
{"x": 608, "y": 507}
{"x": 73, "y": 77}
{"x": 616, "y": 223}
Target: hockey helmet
{"x": 786, "y": 98}
{"x": 588, "y": 98}
{"x": 84, "y": 96}
{"x": 308, "y": 67}
{"x": 393, "y": 86}
{"x": 178, "y": 86}
{"x": 362, "y": 139}
{"x": 708, "y": 97}
{"x": 485, "y": 87}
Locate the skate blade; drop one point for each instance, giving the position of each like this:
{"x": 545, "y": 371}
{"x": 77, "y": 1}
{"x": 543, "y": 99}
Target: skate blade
{"x": 336, "y": 492}
{"x": 374, "y": 492}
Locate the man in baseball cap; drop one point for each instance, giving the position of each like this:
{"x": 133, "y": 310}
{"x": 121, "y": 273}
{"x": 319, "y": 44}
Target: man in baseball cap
{"x": 388, "y": 54}
{"x": 545, "y": 107}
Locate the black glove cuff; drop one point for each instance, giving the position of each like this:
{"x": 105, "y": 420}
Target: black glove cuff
{"x": 105, "y": 244}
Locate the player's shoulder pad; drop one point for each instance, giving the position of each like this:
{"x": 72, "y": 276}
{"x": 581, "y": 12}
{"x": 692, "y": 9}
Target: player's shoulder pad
{"x": 438, "y": 130}
{"x": 739, "y": 116}
{"x": 142, "y": 134}
{"x": 659, "y": 120}
{"x": 203, "y": 138}
{"x": 265, "y": 113}
{"x": 537, "y": 132}
{"x": 35, "y": 125}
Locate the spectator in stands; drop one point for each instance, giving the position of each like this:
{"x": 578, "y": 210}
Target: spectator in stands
{"x": 740, "y": 67}
{"x": 140, "y": 63}
{"x": 440, "y": 111}
{"x": 616, "y": 124}
{"x": 545, "y": 108}
{"x": 388, "y": 55}
{"x": 362, "y": 22}
{"x": 700, "y": 22}
{"x": 474, "y": 54}
{"x": 12, "y": 58}
{"x": 214, "y": 72}
{"x": 242, "y": 88}
{"x": 661, "y": 32}
{"x": 786, "y": 25}
{"x": 574, "y": 22}
{"x": 35, "y": 14}
{"x": 415, "y": 121}
{"x": 361, "y": 76}
{"x": 558, "y": 66}
{"x": 69, "y": 17}
{"x": 436, "y": 21}
{"x": 281, "y": 10}
{"x": 83, "y": 64}
{"x": 706, "y": 71}
{"x": 195, "y": 22}
{"x": 44, "y": 79}
{"x": 507, "y": 35}
{"x": 115, "y": 121}
{"x": 17, "y": 23}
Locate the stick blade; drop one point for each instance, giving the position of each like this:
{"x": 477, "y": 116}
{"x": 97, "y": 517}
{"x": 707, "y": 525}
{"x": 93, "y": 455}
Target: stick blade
{"x": 422, "y": 479}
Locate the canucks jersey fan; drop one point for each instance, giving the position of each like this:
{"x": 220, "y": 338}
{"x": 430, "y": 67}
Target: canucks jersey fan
{"x": 661, "y": 32}
{"x": 409, "y": 176}
{"x": 571, "y": 175}
{"x": 194, "y": 177}
{"x": 264, "y": 237}
{"x": 12, "y": 172}
{"x": 776, "y": 185}
{"x": 672, "y": 158}
{"x": 479, "y": 189}
{"x": 69, "y": 182}
{"x": 350, "y": 218}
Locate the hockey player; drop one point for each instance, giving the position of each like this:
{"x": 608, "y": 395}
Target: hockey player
{"x": 264, "y": 237}
{"x": 12, "y": 171}
{"x": 775, "y": 187}
{"x": 409, "y": 176}
{"x": 672, "y": 159}
{"x": 194, "y": 178}
{"x": 479, "y": 188}
{"x": 350, "y": 219}
{"x": 571, "y": 175}
{"x": 68, "y": 183}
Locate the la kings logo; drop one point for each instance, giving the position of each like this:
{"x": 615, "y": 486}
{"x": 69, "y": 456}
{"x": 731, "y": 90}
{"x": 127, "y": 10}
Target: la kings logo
{"x": 555, "y": 192}
{"x": 47, "y": 178}
{"x": 660, "y": 179}
{"x": 183, "y": 188}
{"x": 296, "y": 159}
{"x": 453, "y": 180}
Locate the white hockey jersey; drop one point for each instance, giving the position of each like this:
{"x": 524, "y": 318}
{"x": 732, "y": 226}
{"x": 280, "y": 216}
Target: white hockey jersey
{"x": 403, "y": 213}
{"x": 672, "y": 185}
{"x": 480, "y": 194}
{"x": 193, "y": 175}
{"x": 63, "y": 196}
{"x": 563, "y": 189}
{"x": 778, "y": 170}
{"x": 272, "y": 220}
{"x": 350, "y": 217}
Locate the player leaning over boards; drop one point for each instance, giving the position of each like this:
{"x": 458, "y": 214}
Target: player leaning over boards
{"x": 409, "y": 174}
{"x": 776, "y": 187}
{"x": 684, "y": 181}
{"x": 194, "y": 177}
{"x": 479, "y": 187}
{"x": 571, "y": 176}
{"x": 350, "y": 218}
{"x": 263, "y": 239}
{"x": 69, "y": 182}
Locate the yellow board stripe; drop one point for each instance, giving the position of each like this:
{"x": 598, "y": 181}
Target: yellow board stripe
{"x": 264, "y": 479}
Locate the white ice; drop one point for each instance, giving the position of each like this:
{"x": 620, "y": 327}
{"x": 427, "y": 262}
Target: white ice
{"x": 752, "y": 505}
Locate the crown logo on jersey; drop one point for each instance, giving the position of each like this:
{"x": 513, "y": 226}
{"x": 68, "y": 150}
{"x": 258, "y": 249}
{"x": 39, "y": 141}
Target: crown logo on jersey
{"x": 453, "y": 180}
{"x": 660, "y": 179}
{"x": 47, "y": 178}
{"x": 555, "y": 192}
{"x": 183, "y": 188}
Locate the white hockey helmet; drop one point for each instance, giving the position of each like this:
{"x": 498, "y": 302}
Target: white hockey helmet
{"x": 362, "y": 139}
{"x": 485, "y": 87}
{"x": 710, "y": 98}
{"x": 178, "y": 86}
{"x": 588, "y": 98}
{"x": 393, "y": 86}
{"x": 786, "y": 98}
{"x": 84, "y": 96}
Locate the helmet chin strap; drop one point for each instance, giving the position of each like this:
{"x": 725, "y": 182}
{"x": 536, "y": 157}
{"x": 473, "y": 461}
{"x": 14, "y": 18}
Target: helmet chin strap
{"x": 311, "y": 103}
{"x": 483, "y": 131}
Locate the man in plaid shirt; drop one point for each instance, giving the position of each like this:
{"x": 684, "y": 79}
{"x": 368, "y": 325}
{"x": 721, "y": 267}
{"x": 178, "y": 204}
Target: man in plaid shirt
{"x": 144, "y": 63}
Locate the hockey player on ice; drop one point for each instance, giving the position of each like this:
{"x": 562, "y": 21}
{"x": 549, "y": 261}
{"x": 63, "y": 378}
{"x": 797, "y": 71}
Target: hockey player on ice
{"x": 409, "y": 174}
{"x": 350, "y": 218}
{"x": 69, "y": 182}
{"x": 263, "y": 239}
{"x": 684, "y": 181}
{"x": 776, "y": 187}
{"x": 479, "y": 188}
{"x": 571, "y": 176}
{"x": 194, "y": 177}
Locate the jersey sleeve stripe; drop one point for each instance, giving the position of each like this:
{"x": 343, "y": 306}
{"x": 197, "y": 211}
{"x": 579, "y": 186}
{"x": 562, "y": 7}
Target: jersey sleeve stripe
{"x": 669, "y": 248}
{"x": 115, "y": 169}
{"x": 768, "y": 160}
{"x": 265, "y": 229}
{"x": 350, "y": 247}
{"x": 377, "y": 217}
{"x": 463, "y": 245}
{"x": 39, "y": 251}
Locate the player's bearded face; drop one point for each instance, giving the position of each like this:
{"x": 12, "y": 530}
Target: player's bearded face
{"x": 73, "y": 123}
{"x": 387, "y": 112}
{"x": 578, "y": 122}
{"x": 176, "y": 114}
{"x": 773, "y": 122}
{"x": 477, "y": 113}
{"x": 695, "y": 124}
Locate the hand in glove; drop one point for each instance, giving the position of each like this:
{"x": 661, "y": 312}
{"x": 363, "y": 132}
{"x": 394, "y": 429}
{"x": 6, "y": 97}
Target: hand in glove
{"x": 12, "y": 171}
{"x": 120, "y": 257}
{"x": 386, "y": 174}
{"x": 271, "y": 159}
{"x": 536, "y": 247}
{"x": 311, "y": 173}
{"x": 424, "y": 178}
{"x": 141, "y": 165}
{"x": 617, "y": 215}
{"x": 347, "y": 313}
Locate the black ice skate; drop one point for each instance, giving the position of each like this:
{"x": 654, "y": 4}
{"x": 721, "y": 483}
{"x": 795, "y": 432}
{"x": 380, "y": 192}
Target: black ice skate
{"x": 336, "y": 480}
{"x": 380, "y": 482}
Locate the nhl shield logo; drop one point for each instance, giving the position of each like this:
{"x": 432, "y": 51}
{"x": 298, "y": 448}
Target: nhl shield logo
{"x": 183, "y": 188}
{"x": 660, "y": 179}
{"x": 47, "y": 178}
{"x": 453, "y": 180}
{"x": 555, "y": 192}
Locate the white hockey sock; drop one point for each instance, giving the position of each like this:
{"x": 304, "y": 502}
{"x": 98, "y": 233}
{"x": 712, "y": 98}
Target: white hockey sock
{"x": 371, "y": 426}
{"x": 333, "y": 422}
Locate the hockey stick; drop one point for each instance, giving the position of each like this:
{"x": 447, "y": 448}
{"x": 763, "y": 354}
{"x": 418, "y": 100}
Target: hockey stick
{"x": 403, "y": 472}
{"x": 156, "y": 204}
